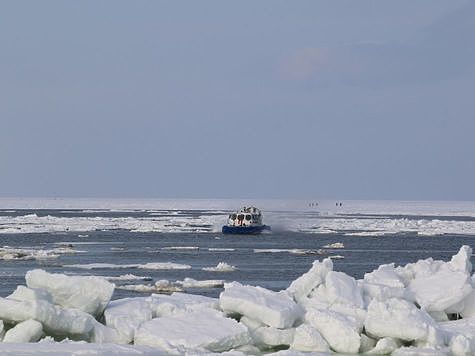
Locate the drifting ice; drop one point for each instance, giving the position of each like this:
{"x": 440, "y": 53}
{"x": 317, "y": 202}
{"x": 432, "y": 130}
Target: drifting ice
{"x": 408, "y": 310}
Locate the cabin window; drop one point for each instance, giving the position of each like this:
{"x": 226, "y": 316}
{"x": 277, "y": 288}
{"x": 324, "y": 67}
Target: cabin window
{"x": 233, "y": 216}
{"x": 240, "y": 217}
{"x": 248, "y": 217}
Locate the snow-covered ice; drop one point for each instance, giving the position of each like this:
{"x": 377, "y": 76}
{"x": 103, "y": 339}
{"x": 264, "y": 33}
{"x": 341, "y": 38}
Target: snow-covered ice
{"x": 360, "y": 218}
{"x": 402, "y": 310}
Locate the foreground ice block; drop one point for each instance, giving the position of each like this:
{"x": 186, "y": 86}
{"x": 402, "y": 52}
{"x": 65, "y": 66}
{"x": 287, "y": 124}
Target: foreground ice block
{"x": 15, "y": 310}
{"x": 461, "y": 261}
{"x": 102, "y": 334}
{"x": 398, "y": 318}
{"x": 76, "y": 349}
{"x": 200, "y": 331}
{"x": 165, "y": 305}
{"x": 26, "y": 331}
{"x": 431, "y": 292}
{"x": 385, "y": 346}
{"x": 87, "y": 293}
{"x": 23, "y": 293}
{"x": 268, "y": 336}
{"x": 343, "y": 289}
{"x": 422, "y": 351}
{"x": 55, "y": 319}
{"x": 341, "y": 332}
{"x": 2, "y": 330}
{"x": 126, "y": 315}
{"x": 302, "y": 286}
{"x": 61, "y": 321}
{"x": 275, "y": 309}
{"x": 385, "y": 275}
{"x": 307, "y": 338}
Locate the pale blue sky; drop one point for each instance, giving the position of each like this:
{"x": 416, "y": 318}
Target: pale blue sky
{"x": 262, "y": 99}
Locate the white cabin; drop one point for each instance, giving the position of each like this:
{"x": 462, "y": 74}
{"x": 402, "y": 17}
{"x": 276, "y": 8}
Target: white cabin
{"x": 247, "y": 216}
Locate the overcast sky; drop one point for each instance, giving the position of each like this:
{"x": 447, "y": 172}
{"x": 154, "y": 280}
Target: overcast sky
{"x": 262, "y": 99}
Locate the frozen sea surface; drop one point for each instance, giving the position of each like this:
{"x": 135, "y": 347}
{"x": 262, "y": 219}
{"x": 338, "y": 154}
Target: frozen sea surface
{"x": 139, "y": 243}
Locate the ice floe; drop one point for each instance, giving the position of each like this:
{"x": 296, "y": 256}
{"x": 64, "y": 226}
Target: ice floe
{"x": 193, "y": 283}
{"x": 166, "y": 286}
{"x": 127, "y": 277}
{"x": 160, "y": 286}
{"x": 14, "y": 253}
{"x": 355, "y": 218}
{"x": 221, "y": 267}
{"x": 150, "y": 265}
{"x": 335, "y": 245}
{"x": 422, "y": 308}
{"x": 294, "y": 251}
{"x": 180, "y": 248}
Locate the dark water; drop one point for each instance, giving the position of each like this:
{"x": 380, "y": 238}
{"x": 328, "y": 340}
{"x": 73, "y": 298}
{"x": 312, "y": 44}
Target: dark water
{"x": 270, "y": 270}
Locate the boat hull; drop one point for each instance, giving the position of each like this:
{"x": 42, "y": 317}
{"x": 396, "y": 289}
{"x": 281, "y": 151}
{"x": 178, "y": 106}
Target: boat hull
{"x": 245, "y": 230}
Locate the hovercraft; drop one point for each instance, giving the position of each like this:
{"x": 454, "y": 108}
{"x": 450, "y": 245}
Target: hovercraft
{"x": 246, "y": 221}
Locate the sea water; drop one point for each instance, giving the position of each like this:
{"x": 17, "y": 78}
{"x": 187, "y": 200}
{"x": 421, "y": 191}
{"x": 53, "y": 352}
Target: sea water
{"x": 117, "y": 238}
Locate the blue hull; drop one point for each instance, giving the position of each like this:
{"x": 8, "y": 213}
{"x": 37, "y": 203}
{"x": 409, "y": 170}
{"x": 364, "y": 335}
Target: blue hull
{"x": 245, "y": 230}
